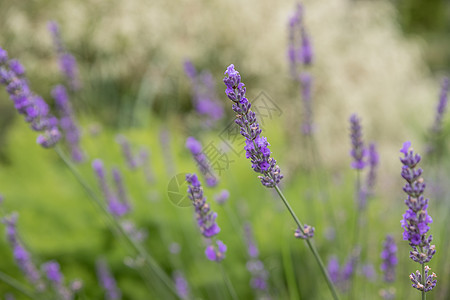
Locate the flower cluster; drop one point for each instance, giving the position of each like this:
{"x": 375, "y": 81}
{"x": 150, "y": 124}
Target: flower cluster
{"x": 300, "y": 55}
{"x": 195, "y": 147}
{"x": 341, "y": 275}
{"x": 255, "y": 266}
{"x": 118, "y": 203}
{"x": 181, "y": 285}
{"x": 21, "y": 255}
{"x": 256, "y": 146}
{"x": 299, "y": 48}
{"x": 54, "y": 275}
{"x": 442, "y": 105}
{"x": 389, "y": 257}
{"x": 206, "y": 218}
{"x": 132, "y": 162}
{"x": 67, "y": 122}
{"x": 358, "y": 151}
{"x": 204, "y": 94}
{"x": 427, "y": 283}
{"x": 416, "y": 219}
{"x": 306, "y": 233}
{"x": 107, "y": 281}
{"x": 67, "y": 63}
{"x": 222, "y": 196}
{"x": 33, "y": 107}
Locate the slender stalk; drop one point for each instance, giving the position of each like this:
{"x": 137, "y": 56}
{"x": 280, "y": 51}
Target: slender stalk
{"x": 310, "y": 245}
{"x": 424, "y": 295}
{"x": 150, "y": 261}
{"x": 17, "y": 285}
{"x": 228, "y": 282}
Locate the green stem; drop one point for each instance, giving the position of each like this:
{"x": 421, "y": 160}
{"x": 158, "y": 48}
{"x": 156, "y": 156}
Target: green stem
{"x": 227, "y": 280}
{"x": 424, "y": 295}
{"x": 150, "y": 261}
{"x": 310, "y": 245}
{"x": 17, "y": 285}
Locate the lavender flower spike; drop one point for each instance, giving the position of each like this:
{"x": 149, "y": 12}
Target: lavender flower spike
{"x": 67, "y": 63}
{"x": 21, "y": 255}
{"x": 416, "y": 219}
{"x": 442, "y": 105}
{"x": 54, "y": 275}
{"x": 67, "y": 122}
{"x": 107, "y": 281}
{"x": 33, "y": 107}
{"x": 254, "y": 265}
{"x": 195, "y": 147}
{"x": 389, "y": 256}
{"x": 358, "y": 151}
{"x": 256, "y": 146}
{"x": 181, "y": 285}
{"x": 206, "y": 218}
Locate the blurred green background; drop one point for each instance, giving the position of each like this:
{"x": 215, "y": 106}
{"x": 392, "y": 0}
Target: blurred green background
{"x": 381, "y": 59}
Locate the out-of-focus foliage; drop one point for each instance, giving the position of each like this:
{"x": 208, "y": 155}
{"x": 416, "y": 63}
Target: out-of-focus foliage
{"x": 431, "y": 20}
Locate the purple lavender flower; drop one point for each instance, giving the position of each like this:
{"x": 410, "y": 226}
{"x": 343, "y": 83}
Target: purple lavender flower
{"x": 195, "y": 147}
{"x": 373, "y": 164}
{"x": 333, "y": 269}
{"x": 33, "y": 107}
{"x": 206, "y": 219}
{"x": 254, "y": 265}
{"x": 116, "y": 205}
{"x": 126, "y": 151}
{"x": 222, "y": 196}
{"x": 256, "y": 146}
{"x": 389, "y": 256}
{"x": 21, "y": 255}
{"x": 358, "y": 151}
{"x": 442, "y": 105}
{"x": 299, "y": 46}
{"x": 423, "y": 284}
{"x": 107, "y": 281}
{"x": 204, "y": 94}
{"x": 53, "y": 272}
{"x": 67, "y": 122}
{"x": 67, "y": 63}
{"x": 120, "y": 189}
{"x": 416, "y": 219}
{"x": 216, "y": 253}
{"x": 181, "y": 285}
{"x": 306, "y": 233}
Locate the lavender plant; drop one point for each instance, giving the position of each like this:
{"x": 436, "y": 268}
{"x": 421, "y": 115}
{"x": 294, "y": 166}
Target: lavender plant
{"x": 436, "y": 141}
{"x": 204, "y": 94}
{"x": 256, "y": 267}
{"x": 388, "y": 266}
{"x": 21, "y": 255}
{"x": 195, "y": 147}
{"x": 416, "y": 219}
{"x": 107, "y": 281}
{"x": 67, "y": 122}
{"x": 300, "y": 56}
{"x": 258, "y": 152}
{"x": 67, "y": 62}
{"x": 206, "y": 219}
{"x": 35, "y": 110}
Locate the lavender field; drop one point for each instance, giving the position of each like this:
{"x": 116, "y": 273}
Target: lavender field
{"x": 221, "y": 150}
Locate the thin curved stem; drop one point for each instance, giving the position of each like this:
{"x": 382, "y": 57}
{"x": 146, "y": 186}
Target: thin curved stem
{"x": 150, "y": 261}
{"x": 310, "y": 245}
{"x": 17, "y": 285}
{"x": 228, "y": 282}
